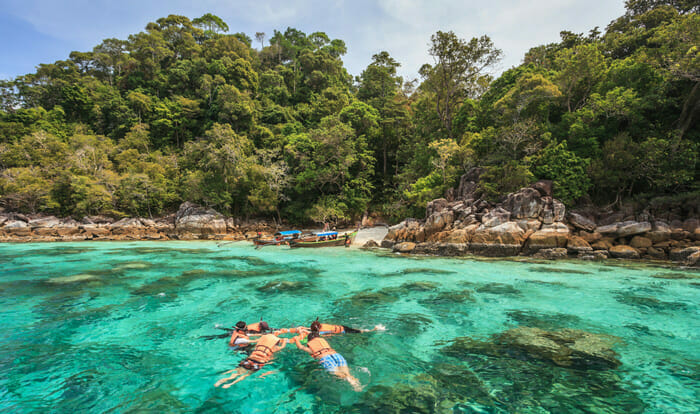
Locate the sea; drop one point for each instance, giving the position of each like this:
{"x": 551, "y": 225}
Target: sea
{"x": 122, "y": 327}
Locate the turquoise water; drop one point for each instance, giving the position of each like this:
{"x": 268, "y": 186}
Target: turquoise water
{"x": 122, "y": 327}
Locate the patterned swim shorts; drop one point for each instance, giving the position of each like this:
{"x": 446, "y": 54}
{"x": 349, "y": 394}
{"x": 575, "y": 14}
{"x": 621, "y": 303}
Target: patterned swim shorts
{"x": 333, "y": 361}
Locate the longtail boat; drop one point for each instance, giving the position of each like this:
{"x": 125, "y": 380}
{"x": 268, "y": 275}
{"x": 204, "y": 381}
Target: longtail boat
{"x": 326, "y": 239}
{"x": 279, "y": 238}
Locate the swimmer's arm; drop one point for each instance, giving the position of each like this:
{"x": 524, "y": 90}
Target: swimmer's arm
{"x": 300, "y": 346}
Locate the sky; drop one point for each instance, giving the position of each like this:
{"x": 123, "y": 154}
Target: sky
{"x": 43, "y": 31}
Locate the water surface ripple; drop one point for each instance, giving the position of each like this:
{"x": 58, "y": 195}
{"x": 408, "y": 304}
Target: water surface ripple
{"x": 122, "y": 327}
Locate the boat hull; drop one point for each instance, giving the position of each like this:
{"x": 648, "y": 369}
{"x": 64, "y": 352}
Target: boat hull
{"x": 344, "y": 240}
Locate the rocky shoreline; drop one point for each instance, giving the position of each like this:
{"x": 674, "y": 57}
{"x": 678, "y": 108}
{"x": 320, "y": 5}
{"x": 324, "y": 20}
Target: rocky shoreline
{"x": 527, "y": 223}
{"x": 191, "y": 222}
{"x": 532, "y": 223}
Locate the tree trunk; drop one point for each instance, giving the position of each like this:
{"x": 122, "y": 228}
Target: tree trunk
{"x": 691, "y": 107}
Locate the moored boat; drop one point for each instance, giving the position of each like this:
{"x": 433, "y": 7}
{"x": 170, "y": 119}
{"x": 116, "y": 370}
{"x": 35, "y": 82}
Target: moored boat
{"x": 279, "y": 238}
{"x": 325, "y": 239}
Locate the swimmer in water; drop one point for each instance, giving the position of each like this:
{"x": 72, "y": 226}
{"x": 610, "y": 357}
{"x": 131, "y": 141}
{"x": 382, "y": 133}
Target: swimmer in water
{"x": 265, "y": 348}
{"x": 329, "y": 359}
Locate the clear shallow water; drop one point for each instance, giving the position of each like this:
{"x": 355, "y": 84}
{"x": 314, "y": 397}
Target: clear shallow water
{"x": 118, "y": 327}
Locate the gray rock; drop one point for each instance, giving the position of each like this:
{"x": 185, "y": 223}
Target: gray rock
{"x": 681, "y": 255}
{"x": 49, "y": 221}
{"x": 526, "y": 203}
{"x": 15, "y": 224}
{"x": 495, "y": 217}
{"x": 551, "y": 254}
{"x": 191, "y": 218}
{"x": 581, "y": 222}
{"x": 370, "y": 244}
{"x": 631, "y": 228}
{"x": 387, "y": 244}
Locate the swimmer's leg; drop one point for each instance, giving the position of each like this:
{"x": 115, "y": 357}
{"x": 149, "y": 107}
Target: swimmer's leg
{"x": 241, "y": 378}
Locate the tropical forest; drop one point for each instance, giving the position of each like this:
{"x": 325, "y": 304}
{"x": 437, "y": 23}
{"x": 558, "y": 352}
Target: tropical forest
{"x": 272, "y": 125}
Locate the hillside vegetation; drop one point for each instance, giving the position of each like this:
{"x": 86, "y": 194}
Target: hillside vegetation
{"x": 277, "y": 127}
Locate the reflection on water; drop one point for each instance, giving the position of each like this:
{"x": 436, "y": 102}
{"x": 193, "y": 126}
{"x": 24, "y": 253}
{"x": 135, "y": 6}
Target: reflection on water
{"x": 135, "y": 326}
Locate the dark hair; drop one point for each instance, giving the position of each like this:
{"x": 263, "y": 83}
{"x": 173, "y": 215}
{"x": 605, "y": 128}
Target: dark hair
{"x": 264, "y": 326}
{"x": 316, "y": 325}
{"x": 313, "y": 335}
{"x": 241, "y": 325}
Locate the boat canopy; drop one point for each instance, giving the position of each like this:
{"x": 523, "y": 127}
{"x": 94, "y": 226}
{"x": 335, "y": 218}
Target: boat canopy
{"x": 328, "y": 233}
{"x": 287, "y": 233}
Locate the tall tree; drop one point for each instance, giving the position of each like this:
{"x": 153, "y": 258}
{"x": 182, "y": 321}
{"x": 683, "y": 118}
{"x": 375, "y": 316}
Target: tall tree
{"x": 457, "y": 67}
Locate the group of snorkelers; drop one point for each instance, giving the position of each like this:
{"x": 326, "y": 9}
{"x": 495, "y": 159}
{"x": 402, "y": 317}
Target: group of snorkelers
{"x": 263, "y": 342}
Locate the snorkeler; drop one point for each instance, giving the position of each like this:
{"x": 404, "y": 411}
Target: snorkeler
{"x": 329, "y": 359}
{"x": 328, "y": 329}
{"x": 241, "y": 333}
{"x": 265, "y": 347}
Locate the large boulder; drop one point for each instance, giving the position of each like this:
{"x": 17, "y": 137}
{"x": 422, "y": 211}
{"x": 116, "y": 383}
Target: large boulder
{"x": 639, "y": 242}
{"x": 49, "y": 221}
{"x": 128, "y": 227}
{"x": 624, "y": 252}
{"x": 566, "y": 348}
{"x": 495, "y": 217}
{"x": 16, "y": 228}
{"x": 660, "y": 232}
{"x": 191, "y": 218}
{"x": 581, "y": 222}
{"x": 526, "y": 203}
{"x": 405, "y": 247}
{"x": 550, "y": 236}
{"x": 682, "y": 254}
{"x": 503, "y": 240}
{"x": 631, "y": 228}
{"x": 436, "y": 206}
{"x": 577, "y": 245}
{"x": 438, "y": 221}
{"x": 544, "y": 187}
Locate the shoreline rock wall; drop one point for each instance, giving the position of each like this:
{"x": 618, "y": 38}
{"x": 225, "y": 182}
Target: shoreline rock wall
{"x": 191, "y": 222}
{"x": 531, "y": 222}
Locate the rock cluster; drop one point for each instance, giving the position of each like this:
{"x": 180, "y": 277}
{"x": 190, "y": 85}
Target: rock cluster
{"x": 531, "y": 222}
{"x": 191, "y": 222}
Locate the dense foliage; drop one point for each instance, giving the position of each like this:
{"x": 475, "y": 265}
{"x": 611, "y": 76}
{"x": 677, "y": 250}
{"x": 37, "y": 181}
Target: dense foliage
{"x": 184, "y": 111}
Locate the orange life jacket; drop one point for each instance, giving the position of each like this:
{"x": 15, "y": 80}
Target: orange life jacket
{"x": 334, "y": 329}
{"x": 253, "y": 327}
{"x": 238, "y": 334}
{"x": 319, "y": 348}
{"x": 264, "y": 348}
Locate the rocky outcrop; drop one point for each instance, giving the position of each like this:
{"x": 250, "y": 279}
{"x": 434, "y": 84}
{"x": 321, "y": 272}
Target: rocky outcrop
{"x": 530, "y": 220}
{"x": 193, "y": 219}
{"x": 191, "y": 222}
{"x": 503, "y": 240}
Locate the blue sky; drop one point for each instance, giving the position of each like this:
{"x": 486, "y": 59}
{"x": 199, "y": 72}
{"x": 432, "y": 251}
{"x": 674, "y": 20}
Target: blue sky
{"x": 43, "y": 31}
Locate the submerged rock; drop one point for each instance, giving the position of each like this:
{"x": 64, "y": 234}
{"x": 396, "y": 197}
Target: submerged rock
{"x": 567, "y": 348}
{"x": 498, "y": 289}
{"x": 283, "y": 286}
{"x": 82, "y": 277}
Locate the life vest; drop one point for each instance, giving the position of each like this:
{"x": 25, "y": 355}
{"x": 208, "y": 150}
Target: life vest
{"x": 264, "y": 348}
{"x": 331, "y": 329}
{"x": 319, "y": 348}
{"x": 238, "y": 334}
